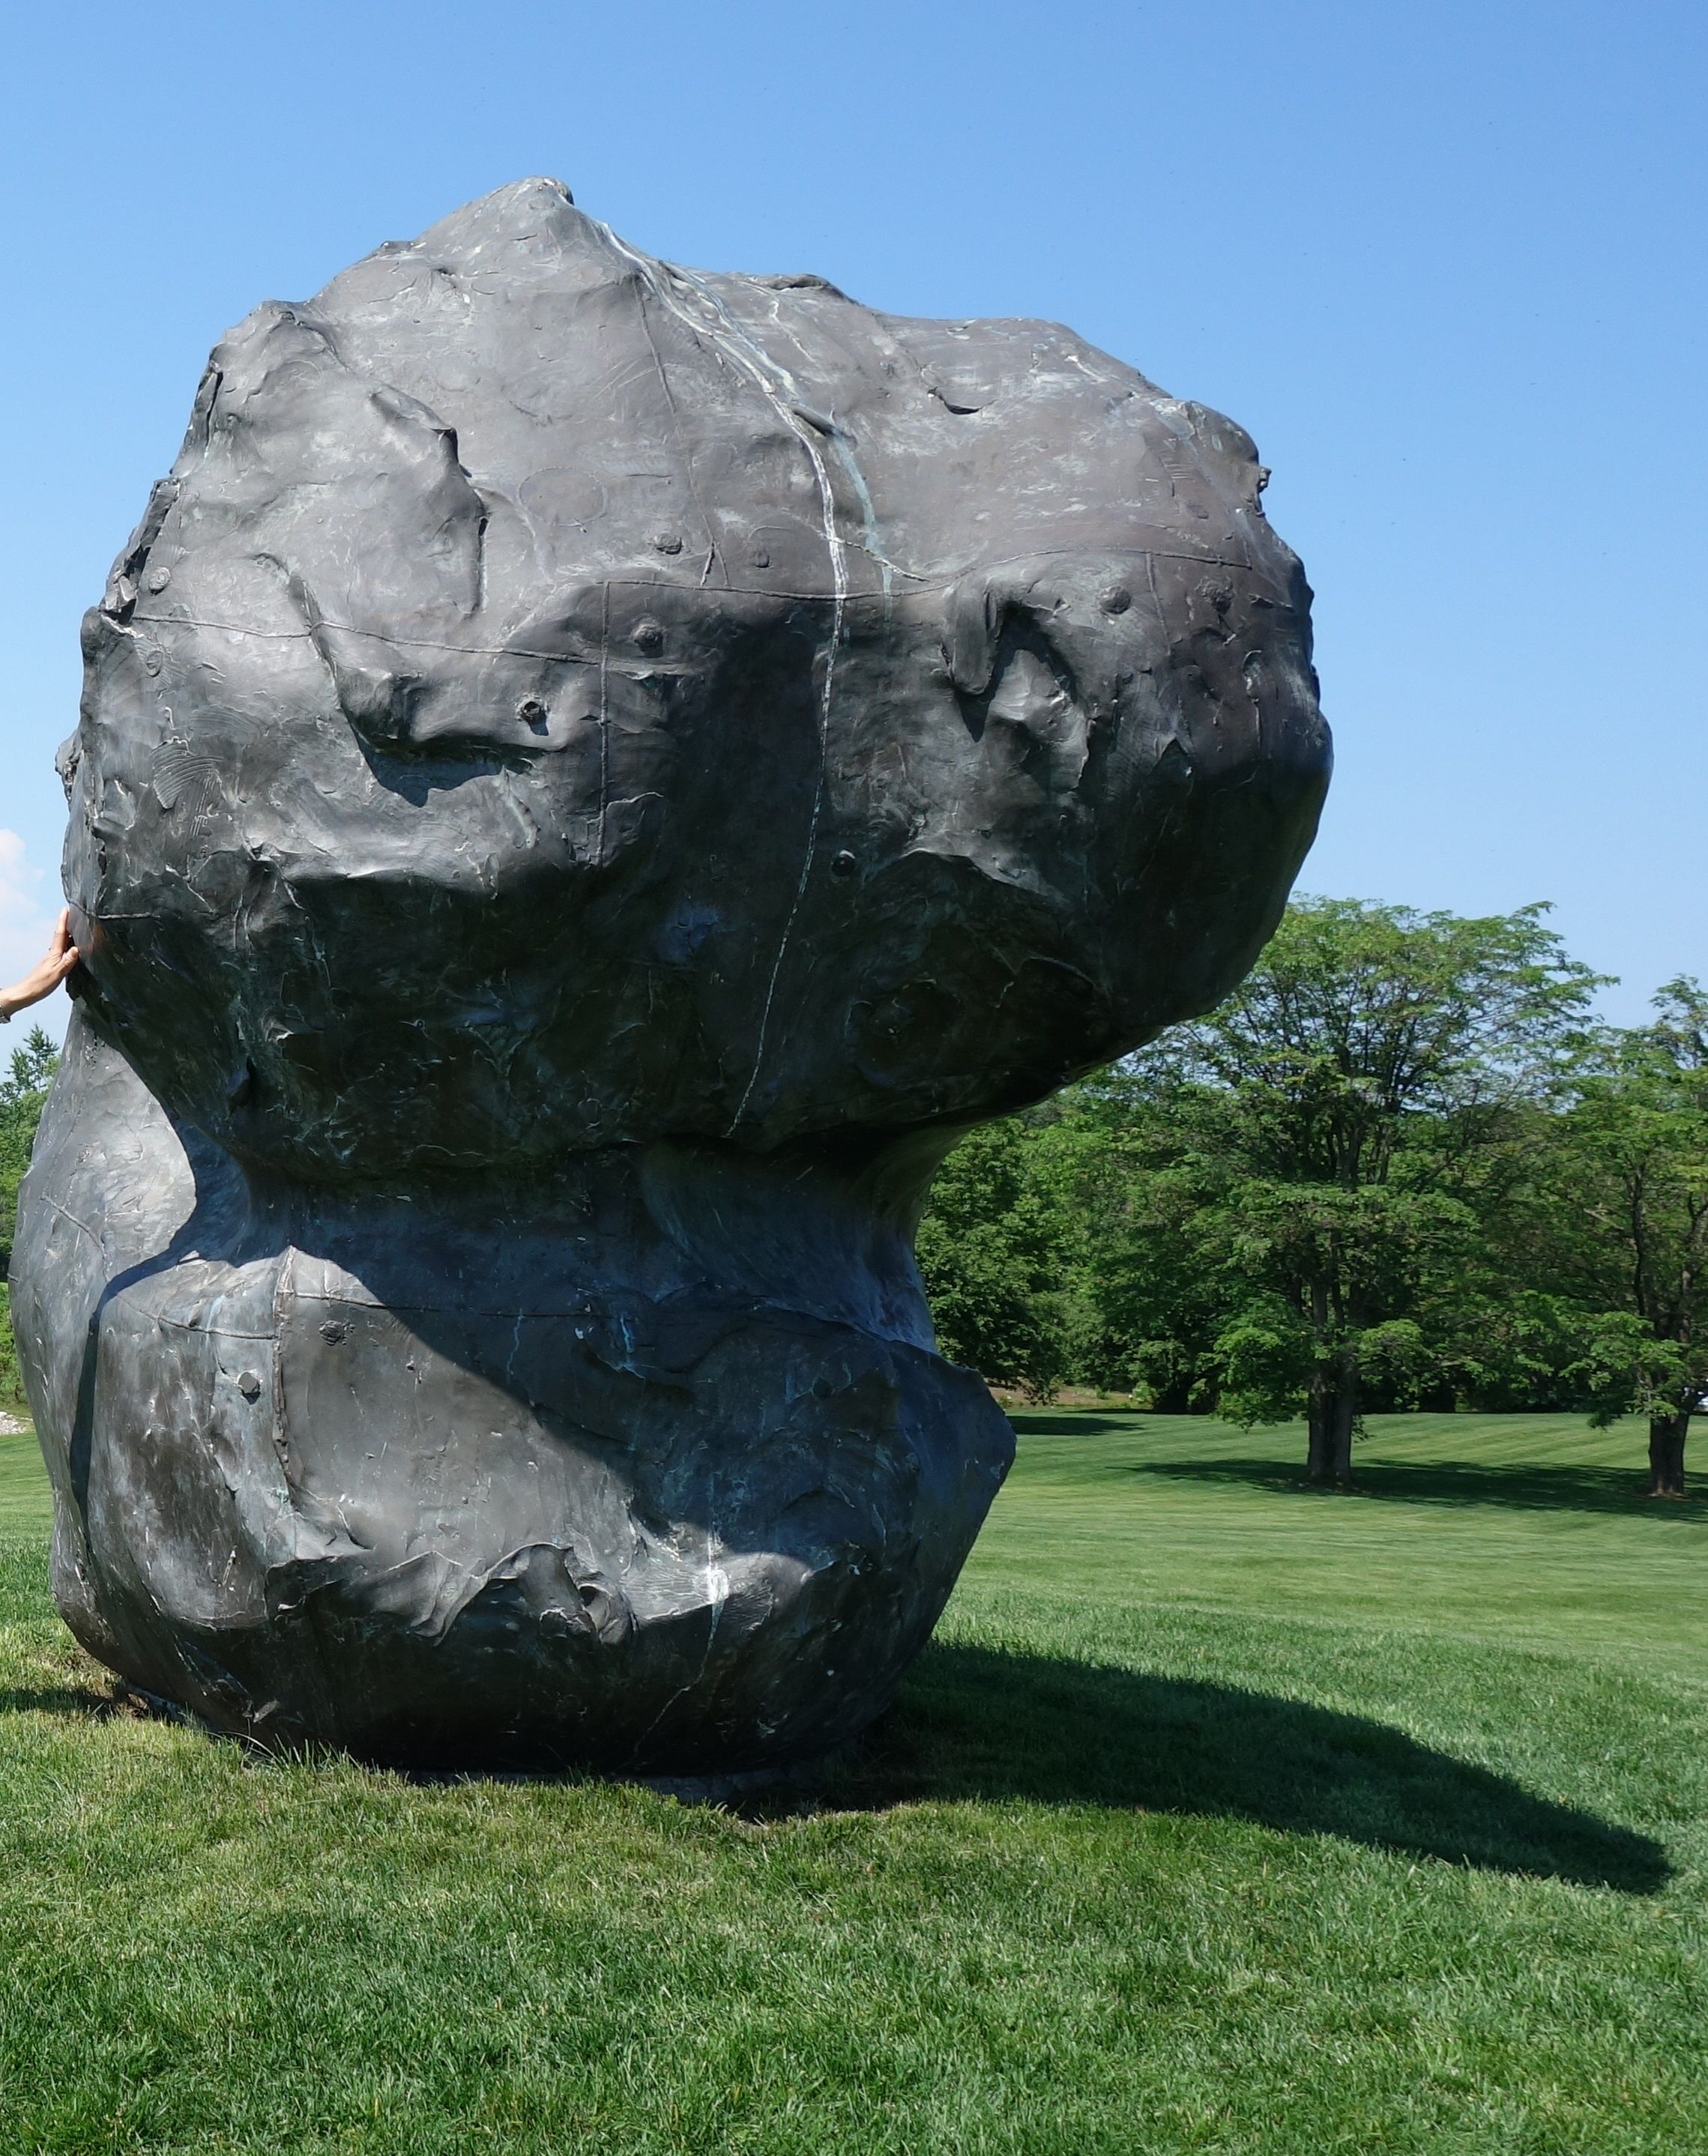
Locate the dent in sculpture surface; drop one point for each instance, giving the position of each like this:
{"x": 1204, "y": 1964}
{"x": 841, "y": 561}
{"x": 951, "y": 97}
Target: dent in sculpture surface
{"x": 590, "y": 775}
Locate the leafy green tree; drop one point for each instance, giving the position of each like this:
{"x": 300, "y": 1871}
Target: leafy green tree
{"x": 992, "y": 1249}
{"x": 21, "y": 1094}
{"x": 1629, "y": 1216}
{"x": 1146, "y": 1303}
{"x": 1320, "y": 1152}
{"x": 11, "y": 1376}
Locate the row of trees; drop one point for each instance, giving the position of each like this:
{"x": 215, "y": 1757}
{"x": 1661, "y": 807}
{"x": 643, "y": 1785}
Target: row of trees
{"x": 1400, "y": 1166}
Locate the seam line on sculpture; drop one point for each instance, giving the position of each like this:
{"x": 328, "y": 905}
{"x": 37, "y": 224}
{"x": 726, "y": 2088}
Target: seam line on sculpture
{"x": 840, "y": 441}
{"x": 91, "y": 1233}
{"x": 806, "y": 860}
{"x": 844, "y": 599}
{"x": 757, "y": 363}
{"x": 604, "y": 724}
{"x": 682, "y": 449}
{"x": 207, "y": 1332}
{"x": 869, "y": 544}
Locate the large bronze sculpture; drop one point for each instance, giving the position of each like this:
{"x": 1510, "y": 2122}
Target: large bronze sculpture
{"x": 591, "y": 775}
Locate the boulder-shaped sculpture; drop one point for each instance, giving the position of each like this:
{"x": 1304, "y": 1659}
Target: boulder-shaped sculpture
{"x": 591, "y": 775}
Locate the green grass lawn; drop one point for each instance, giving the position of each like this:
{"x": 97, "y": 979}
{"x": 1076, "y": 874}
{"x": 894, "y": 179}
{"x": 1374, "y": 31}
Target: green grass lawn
{"x": 1221, "y": 1816}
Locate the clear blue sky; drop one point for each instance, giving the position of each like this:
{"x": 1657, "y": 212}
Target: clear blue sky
{"x": 1445, "y": 262}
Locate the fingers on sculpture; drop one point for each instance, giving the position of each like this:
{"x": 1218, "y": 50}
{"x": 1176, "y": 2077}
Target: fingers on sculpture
{"x": 591, "y": 775}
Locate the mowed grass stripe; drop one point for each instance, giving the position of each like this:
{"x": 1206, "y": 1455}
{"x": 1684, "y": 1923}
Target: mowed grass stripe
{"x": 1208, "y": 1823}
{"x": 1507, "y": 1528}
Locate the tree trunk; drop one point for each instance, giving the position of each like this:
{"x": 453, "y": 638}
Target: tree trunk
{"x": 1345, "y": 1417}
{"x": 1318, "y": 1418}
{"x": 1666, "y": 1454}
{"x": 1332, "y": 1409}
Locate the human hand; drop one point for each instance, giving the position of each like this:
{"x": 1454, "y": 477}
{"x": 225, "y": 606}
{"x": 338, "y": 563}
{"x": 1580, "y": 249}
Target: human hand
{"x": 44, "y": 978}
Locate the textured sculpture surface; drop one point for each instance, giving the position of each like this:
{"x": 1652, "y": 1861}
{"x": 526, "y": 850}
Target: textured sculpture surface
{"x": 590, "y": 775}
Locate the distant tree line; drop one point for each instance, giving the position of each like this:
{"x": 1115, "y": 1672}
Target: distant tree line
{"x": 1401, "y": 1166}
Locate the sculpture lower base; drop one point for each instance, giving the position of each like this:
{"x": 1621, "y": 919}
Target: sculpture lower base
{"x": 654, "y": 1470}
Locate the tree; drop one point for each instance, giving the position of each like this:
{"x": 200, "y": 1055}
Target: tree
{"x": 1630, "y": 1199}
{"x": 1322, "y": 1146}
{"x": 991, "y": 1249}
{"x": 1147, "y": 1301}
{"x": 21, "y": 1094}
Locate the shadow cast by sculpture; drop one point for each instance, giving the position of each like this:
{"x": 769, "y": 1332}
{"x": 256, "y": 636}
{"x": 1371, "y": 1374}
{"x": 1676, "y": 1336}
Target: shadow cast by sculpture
{"x": 977, "y": 1723}
{"x": 68, "y": 1700}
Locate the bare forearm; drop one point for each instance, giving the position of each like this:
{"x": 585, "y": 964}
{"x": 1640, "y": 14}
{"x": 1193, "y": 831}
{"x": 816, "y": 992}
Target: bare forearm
{"x": 44, "y": 976}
